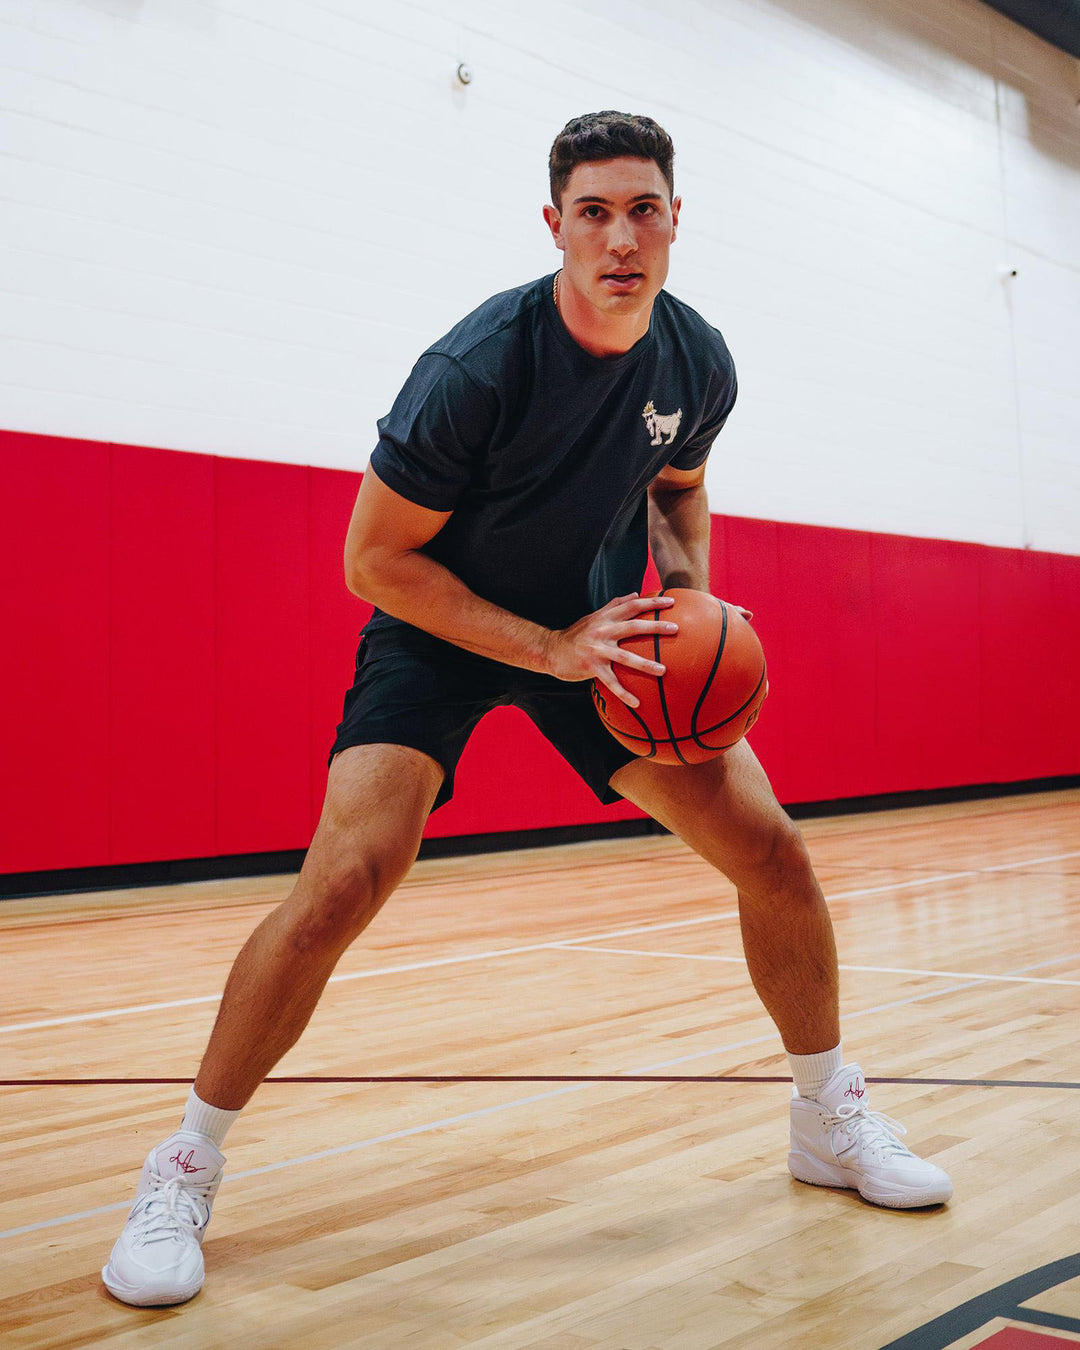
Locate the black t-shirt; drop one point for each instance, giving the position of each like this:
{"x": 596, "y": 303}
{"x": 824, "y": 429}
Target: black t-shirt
{"x": 543, "y": 452}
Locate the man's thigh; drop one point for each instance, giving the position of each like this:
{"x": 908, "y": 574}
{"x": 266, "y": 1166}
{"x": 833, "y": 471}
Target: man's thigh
{"x": 378, "y": 798}
{"x": 725, "y": 809}
{"x": 417, "y": 692}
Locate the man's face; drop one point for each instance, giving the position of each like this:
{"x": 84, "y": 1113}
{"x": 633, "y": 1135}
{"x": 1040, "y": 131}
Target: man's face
{"x": 616, "y": 229}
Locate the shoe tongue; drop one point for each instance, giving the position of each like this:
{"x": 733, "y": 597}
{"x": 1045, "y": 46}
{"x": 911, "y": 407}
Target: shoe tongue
{"x": 189, "y": 1156}
{"x": 847, "y": 1087}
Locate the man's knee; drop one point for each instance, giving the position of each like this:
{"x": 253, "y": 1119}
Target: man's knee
{"x": 337, "y": 903}
{"x": 780, "y": 859}
{"x": 377, "y": 800}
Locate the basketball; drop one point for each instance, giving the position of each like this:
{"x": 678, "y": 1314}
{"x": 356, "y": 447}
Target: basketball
{"x": 710, "y": 695}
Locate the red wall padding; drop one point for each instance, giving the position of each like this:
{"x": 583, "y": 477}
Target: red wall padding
{"x": 55, "y": 644}
{"x": 177, "y": 639}
{"x": 160, "y": 651}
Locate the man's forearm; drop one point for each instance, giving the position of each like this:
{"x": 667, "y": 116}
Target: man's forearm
{"x": 679, "y": 527}
{"x": 416, "y": 588}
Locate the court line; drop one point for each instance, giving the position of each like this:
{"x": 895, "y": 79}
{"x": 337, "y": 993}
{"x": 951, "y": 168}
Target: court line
{"x": 955, "y": 876}
{"x": 630, "y": 951}
{"x": 963, "y": 975}
{"x": 772, "y": 1036}
{"x": 130, "y": 1010}
{"x": 531, "y": 1078}
{"x": 879, "y": 970}
{"x": 1031, "y": 862}
{"x": 371, "y": 974}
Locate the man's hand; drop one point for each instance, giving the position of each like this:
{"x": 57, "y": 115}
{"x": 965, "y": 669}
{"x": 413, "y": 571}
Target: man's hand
{"x": 587, "y": 649}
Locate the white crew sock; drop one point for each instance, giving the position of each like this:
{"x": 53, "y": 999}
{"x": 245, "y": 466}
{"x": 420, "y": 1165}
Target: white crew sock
{"x": 209, "y": 1121}
{"x": 812, "y": 1072}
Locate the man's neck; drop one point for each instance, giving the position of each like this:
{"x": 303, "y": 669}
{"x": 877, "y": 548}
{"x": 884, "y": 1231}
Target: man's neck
{"x": 599, "y": 334}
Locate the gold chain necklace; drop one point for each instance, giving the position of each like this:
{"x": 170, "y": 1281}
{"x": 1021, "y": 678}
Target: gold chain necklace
{"x": 555, "y": 288}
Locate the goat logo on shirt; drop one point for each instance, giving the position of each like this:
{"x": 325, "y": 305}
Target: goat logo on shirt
{"x": 660, "y": 425}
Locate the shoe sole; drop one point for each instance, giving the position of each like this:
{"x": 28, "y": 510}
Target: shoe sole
{"x": 804, "y": 1167}
{"x": 131, "y": 1295}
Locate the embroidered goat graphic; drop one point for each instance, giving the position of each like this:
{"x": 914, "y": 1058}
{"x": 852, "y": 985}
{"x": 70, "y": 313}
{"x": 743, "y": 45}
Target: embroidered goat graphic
{"x": 660, "y": 425}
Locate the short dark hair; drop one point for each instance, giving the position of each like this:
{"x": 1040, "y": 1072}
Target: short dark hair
{"x": 607, "y": 135}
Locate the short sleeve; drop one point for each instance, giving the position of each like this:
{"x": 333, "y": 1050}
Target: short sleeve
{"x": 432, "y": 439}
{"x": 696, "y": 450}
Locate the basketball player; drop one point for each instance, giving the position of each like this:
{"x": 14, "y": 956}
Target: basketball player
{"x": 501, "y": 531}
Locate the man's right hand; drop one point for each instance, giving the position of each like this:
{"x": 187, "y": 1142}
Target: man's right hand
{"x": 587, "y": 649}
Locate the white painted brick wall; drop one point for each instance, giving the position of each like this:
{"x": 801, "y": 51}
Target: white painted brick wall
{"x": 231, "y": 225}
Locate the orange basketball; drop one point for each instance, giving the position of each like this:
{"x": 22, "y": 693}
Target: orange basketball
{"x": 711, "y": 693}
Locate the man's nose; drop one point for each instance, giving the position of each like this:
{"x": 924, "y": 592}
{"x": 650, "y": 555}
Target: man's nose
{"x": 621, "y": 241}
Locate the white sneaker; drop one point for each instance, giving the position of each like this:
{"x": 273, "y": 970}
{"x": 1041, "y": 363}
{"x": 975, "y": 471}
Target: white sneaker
{"x": 158, "y": 1257}
{"x": 838, "y": 1141}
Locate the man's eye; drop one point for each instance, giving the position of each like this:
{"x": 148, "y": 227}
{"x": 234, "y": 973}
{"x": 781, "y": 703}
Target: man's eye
{"x": 589, "y": 209}
{"x": 646, "y": 207}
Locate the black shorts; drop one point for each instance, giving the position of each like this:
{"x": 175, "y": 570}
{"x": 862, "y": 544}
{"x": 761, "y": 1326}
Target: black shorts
{"x": 414, "y": 689}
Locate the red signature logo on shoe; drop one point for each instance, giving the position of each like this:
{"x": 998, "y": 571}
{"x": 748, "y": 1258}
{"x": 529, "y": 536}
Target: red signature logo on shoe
{"x": 854, "y": 1091}
{"x": 184, "y": 1162}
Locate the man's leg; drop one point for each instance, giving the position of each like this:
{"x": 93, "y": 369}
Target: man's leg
{"x": 377, "y": 800}
{"x": 726, "y": 811}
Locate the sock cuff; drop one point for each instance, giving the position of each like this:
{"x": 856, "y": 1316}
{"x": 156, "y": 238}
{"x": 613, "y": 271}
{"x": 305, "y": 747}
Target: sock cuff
{"x": 210, "y": 1121}
{"x": 812, "y": 1072}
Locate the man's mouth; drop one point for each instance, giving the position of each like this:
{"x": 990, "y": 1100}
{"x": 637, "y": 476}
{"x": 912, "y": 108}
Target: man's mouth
{"x": 622, "y": 278}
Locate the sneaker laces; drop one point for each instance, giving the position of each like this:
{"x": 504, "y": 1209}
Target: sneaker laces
{"x": 872, "y": 1128}
{"x": 170, "y": 1209}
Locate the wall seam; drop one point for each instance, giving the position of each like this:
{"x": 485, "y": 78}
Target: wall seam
{"x": 1007, "y": 280}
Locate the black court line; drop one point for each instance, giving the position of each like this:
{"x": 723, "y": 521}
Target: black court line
{"x": 1055, "y": 1321}
{"x": 535, "y": 1078}
{"x": 1006, "y": 1301}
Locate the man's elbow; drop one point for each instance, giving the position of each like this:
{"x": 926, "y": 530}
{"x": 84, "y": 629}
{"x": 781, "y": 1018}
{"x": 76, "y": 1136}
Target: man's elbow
{"x": 358, "y": 573}
{"x": 369, "y": 571}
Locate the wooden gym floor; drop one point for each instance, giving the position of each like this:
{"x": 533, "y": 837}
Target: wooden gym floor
{"x": 551, "y": 1191}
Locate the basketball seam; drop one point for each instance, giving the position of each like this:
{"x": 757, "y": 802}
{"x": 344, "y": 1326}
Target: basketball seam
{"x": 672, "y": 739}
{"x": 708, "y": 683}
{"x": 708, "y": 730}
{"x": 645, "y": 726}
{"x": 618, "y": 731}
{"x": 743, "y": 708}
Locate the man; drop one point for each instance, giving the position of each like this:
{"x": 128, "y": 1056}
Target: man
{"x": 502, "y": 531}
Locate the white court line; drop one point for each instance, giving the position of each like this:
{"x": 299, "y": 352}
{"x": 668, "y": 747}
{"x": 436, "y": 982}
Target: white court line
{"x": 1030, "y": 862}
{"x": 963, "y": 975}
{"x": 517, "y": 951}
{"x": 1041, "y": 965}
{"x": 128, "y": 1011}
{"x": 521, "y": 1101}
{"x": 378, "y": 972}
{"x": 955, "y": 876}
{"x": 901, "y": 885}
{"x": 631, "y": 951}
{"x": 968, "y": 983}
{"x": 879, "y": 970}
{"x": 771, "y": 1036}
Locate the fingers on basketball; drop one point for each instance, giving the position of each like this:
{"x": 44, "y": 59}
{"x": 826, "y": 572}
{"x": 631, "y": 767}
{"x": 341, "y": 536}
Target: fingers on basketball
{"x": 711, "y": 691}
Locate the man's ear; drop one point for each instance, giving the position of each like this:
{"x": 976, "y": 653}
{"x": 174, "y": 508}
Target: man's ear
{"x": 676, "y": 207}
{"x": 553, "y": 218}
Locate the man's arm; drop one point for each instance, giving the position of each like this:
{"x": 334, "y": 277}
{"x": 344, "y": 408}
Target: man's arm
{"x": 384, "y": 564}
{"x": 679, "y": 527}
